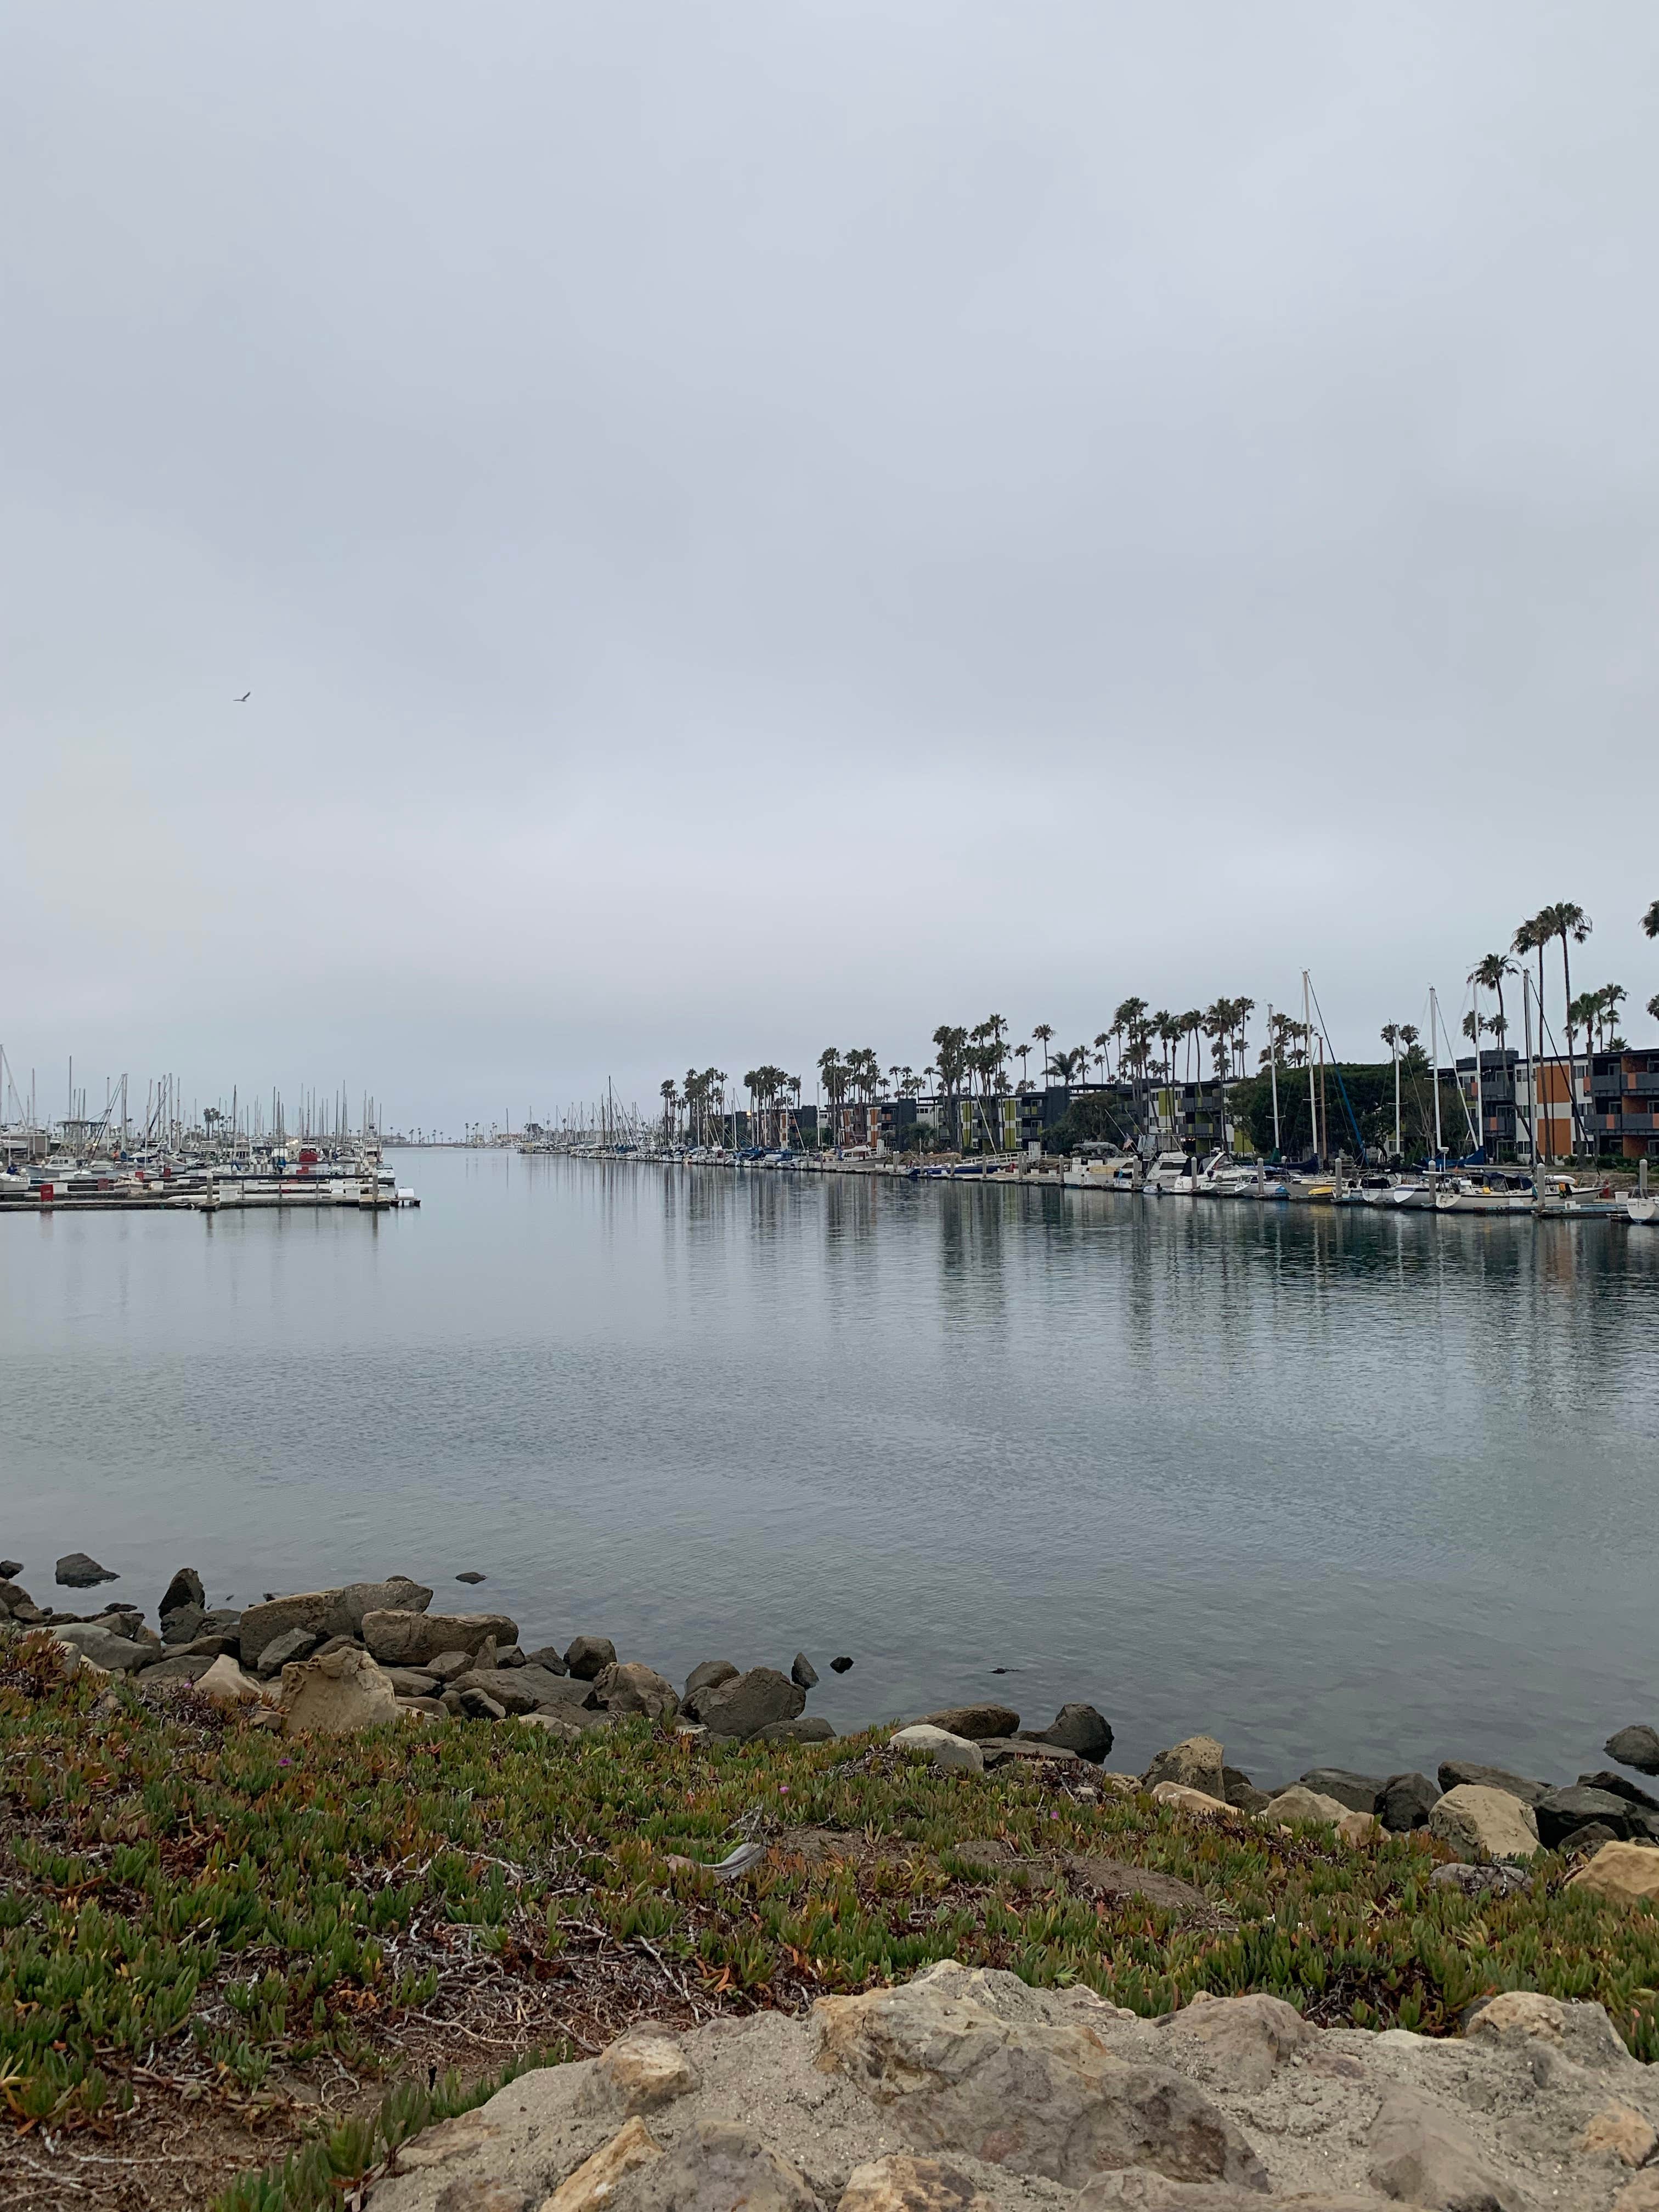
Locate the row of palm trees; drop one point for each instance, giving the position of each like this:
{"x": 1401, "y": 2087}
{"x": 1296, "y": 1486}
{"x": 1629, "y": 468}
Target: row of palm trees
{"x": 1596, "y": 1012}
{"x": 1144, "y": 1043}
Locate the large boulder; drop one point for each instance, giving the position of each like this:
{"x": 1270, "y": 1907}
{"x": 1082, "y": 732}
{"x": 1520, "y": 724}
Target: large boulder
{"x": 1297, "y": 1804}
{"x": 76, "y": 1570}
{"x": 298, "y": 1644}
{"x": 526, "y": 1689}
{"x": 115, "y": 1654}
{"x": 958, "y": 1753}
{"x": 358, "y": 1599}
{"x": 1407, "y": 1801}
{"x": 802, "y": 1671}
{"x": 225, "y": 1684}
{"x": 1480, "y": 1823}
{"x": 185, "y": 1589}
{"x": 1620, "y": 1785}
{"x": 409, "y": 1639}
{"x": 707, "y": 1675}
{"x": 1076, "y": 1728}
{"x": 975, "y": 1722}
{"x": 1561, "y": 1812}
{"x": 182, "y": 1625}
{"x": 1637, "y": 1745}
{"x": 1356, "y": 1793}
{"x": 326, "y": 1613}
{"x": 1458, "y": 1773}
{"x": 1195, "y": 1763}
{"x": 336, "y": 1695}
{"x": 558, "y": 1693}
{"x": 748, "y": 1703}
{"x": 589, "y": 1655}
{"x": 629, "y": 1687}
{"x": 958, "y": 2061}
{"x": 1626, "y": 1873}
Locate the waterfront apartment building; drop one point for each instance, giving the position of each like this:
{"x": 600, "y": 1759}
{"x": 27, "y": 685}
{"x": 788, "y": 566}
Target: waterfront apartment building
{"x": 1625, "y": 1103}
{"x": 1154, "y": 1117}
{"x": 1603, "y": 1103}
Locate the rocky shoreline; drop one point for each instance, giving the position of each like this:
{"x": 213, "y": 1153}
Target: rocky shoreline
{"x": 348, "y": 1657}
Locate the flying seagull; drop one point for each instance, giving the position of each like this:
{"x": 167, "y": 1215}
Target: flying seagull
{"x": 243, "y": 700}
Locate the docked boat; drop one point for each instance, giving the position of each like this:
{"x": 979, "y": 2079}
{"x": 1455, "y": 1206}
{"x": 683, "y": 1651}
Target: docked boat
{"x": 1492, "y": 1195}
{"x": 1559, "y": 1197}
{"x": 1115, "y": 1171}
{"x": 1265, "y": 1184}
{"x": 1172, "y": 1172}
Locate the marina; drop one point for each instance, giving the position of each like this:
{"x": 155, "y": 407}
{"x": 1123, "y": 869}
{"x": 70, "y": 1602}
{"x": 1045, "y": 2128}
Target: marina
{"x": 207, "y": 1160}
{"x": 1176, "y": 1175}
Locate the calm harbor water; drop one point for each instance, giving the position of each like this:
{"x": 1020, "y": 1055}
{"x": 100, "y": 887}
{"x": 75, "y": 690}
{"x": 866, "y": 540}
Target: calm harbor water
{"x": 1336, "y": 1487}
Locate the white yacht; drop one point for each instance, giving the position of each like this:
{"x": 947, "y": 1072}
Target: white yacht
{"x": 1172, "y": 1171}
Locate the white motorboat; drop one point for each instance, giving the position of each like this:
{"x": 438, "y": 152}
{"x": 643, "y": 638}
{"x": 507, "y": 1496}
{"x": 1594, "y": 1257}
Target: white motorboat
{"x": 1264, "y": 1183}
{"x": 1172, "y": 1172}
{"x": 1224, "y": 1176}
{"x": 1117, "y": 1171}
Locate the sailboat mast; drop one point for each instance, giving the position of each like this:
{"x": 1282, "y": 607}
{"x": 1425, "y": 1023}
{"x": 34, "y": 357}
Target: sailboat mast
{"x": 1397, "y": 1092}
{"x": 1273, "y": 1073}
{"x": 1313, "y": 1094}
{"x": 1434, "y": 1038}
{"x": 1532, "y": 1096}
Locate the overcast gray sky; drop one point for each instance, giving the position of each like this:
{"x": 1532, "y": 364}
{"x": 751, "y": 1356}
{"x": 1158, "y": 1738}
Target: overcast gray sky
{"x": 749, "y": 527}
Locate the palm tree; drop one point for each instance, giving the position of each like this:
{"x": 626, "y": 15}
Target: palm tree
{"x": 1022, "y": 1054}
{"x": 1607, "y": 1002}
{"x": 1565, "y": 920}
{"x": 1100, "y": 1044}
{"x": 1166, "y": 1027}
{"x": 833, "y": 1075}
{"x": 1192, "y": 1022}
{"x": 1041, "y": 1035}
{"x": 1217, "y": 1027}
{"x": 1532, "y": 937}
{"x": 1126, "y": 1022}
{"x": 1650, "y": 919}
{"x": 1488, "y": 973}
{"x": 671, "y": 1099}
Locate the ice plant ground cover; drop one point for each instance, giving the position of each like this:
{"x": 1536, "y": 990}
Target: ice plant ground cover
{"x": 222, "y": 1948}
